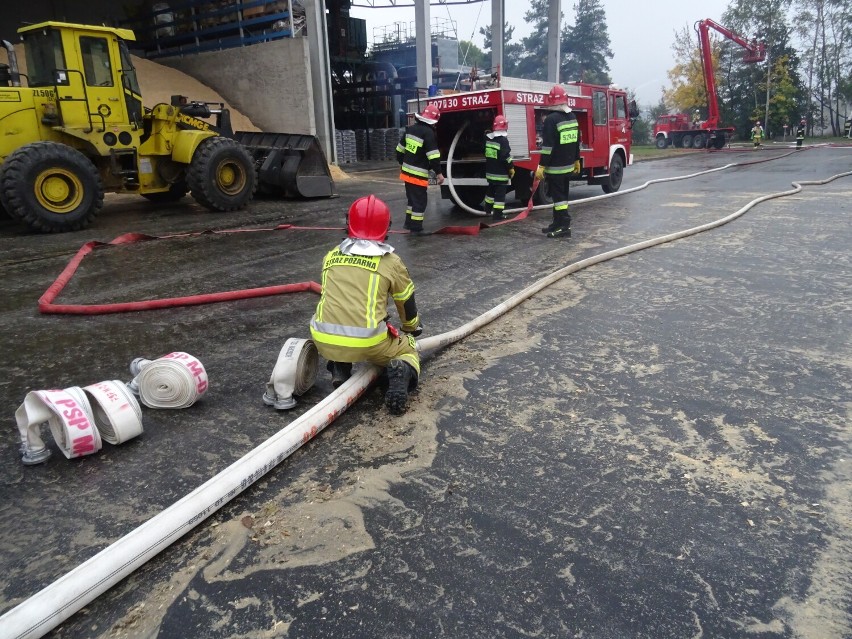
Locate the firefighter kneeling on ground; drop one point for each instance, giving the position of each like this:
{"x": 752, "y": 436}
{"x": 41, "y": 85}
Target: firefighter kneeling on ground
{"x": 560, "y": 157}
{"x": 350, "y": 324}
{"x": 499, "y": 169}
{"x": 417, "y": 154}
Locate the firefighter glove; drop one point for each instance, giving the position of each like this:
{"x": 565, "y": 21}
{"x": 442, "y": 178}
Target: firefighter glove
{"x": 576, "y": 167}
{"x": 511, "y": 173}
{"x": 539, "y": 173}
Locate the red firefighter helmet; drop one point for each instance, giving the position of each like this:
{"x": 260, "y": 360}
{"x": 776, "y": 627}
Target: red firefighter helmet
{"x": 429, "y": 115}
{"x": 557, "y": 96}
{"x": 500, "y": 124}
{"x": 368, "y": 219}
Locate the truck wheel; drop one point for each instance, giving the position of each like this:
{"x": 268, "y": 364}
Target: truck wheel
{"x": 542, "y": 193}
{"x": 719, "y": 142}
{"x": 522, "y": 183}
{"x": 51, "y": 187}
{"x": 221, "y": 175}
{"x": 176, "y": 191}
{"x": 616, "y": 174}
{"x": 662, "y": 142}
{"x": 687, "y": 141}
{"x": 699, "y": 141}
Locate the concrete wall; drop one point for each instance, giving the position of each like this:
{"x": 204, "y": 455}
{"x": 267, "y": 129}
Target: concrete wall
{"x": 269, "y": 82}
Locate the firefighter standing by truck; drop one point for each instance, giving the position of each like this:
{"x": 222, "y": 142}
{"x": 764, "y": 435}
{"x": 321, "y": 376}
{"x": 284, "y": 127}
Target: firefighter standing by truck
{"x": 417, "y": 154}
{"x": 350, "y": 324}
{"x": 499, "y": 168}
{"x": 560, "y": 157}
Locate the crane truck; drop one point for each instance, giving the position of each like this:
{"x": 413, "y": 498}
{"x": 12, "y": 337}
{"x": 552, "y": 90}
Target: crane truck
{"x": 676, "y": 129}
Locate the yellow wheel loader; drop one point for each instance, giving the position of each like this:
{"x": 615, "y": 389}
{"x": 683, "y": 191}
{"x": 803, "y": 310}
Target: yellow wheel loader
{"x": 78, "y": 129}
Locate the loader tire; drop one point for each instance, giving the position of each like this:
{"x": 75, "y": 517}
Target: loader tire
{"x": 51, "y": 187}
{"x": 176, "y": 191}
{"x": 616, "y": 173}
{"x": 221, "y": 175}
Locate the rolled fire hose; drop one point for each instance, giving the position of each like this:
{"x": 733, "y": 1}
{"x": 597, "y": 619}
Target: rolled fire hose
{"x": 295, "y": 373}
{"x": 79, "y": 418}
{"x": 176, "y": 380}
{"x": 61, "y": 599}
{"x": 69, "y": 415}
{"x": 116, "y": 411}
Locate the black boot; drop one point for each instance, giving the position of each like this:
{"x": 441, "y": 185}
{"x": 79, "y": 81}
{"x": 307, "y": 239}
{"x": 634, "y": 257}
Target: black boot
{"x": 401, "y": 378}
{"x": 561, "y": 226}
{"x": 550, "y": 227}
{"x": 340, "y": 372}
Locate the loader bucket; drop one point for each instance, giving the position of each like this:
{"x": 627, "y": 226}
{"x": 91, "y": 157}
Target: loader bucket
{"x": 289, "y": 164}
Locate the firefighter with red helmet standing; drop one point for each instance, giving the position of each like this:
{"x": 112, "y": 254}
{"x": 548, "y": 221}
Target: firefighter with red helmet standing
{"x": 560, "y": 158}
{"x": 800, "y": 133}
{"x": 417, "y": 154}
{"x": 351, "y": 320}
{"x": 499, "y": 169}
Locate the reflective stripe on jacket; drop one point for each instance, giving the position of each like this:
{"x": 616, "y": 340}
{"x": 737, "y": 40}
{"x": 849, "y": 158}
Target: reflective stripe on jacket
{"x": 353, "y": 305}
{"x": 498, "y": 159}
{"x": 417, "y": 153}
{"x": 560, "y": 146}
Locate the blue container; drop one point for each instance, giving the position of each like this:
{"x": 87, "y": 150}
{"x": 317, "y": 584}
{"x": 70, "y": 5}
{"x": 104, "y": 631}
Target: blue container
{"x": 433, "y": 90}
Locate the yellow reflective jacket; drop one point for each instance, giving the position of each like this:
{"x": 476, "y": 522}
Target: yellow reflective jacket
{"x": 354, "y": 301}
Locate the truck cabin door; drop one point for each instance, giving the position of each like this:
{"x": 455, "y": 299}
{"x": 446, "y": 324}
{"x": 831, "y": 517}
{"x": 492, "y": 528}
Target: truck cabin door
{"x": 598, "y": 154}
{"x": 619, "y": 128}
{"x": 99, "y": 61}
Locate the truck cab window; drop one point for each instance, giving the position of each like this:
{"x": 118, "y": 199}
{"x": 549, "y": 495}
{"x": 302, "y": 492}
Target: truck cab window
{"x": 44, "y": 57}
{"x": 599, "y": 107}
{"x": 96, "y": 62}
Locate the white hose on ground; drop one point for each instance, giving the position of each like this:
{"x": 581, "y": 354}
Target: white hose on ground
{"x": 61, "y": 599}
{"x": 176, "y": 380}
{"x": 295, "y": 373}
{"x": 594, "y": 198}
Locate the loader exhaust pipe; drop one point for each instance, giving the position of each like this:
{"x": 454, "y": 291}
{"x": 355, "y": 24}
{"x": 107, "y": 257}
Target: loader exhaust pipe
{"x": 14, "y": 74}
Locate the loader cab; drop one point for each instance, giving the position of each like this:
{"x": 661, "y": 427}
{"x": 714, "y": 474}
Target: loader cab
{"x": 89, "y": 73}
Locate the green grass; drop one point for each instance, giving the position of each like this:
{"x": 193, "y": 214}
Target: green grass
{"x": 650, "y": 152}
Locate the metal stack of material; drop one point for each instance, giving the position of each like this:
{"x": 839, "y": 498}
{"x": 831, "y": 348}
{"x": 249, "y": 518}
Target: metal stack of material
{"x": 346, "y": 147}
{"x": 361, "y": 143}
{"x": 391, "y": 140}
{"x": 377, "y": 144}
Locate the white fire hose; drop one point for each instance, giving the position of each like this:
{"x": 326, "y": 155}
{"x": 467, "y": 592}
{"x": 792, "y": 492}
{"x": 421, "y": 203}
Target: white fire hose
{"x": 295, "y": 373}
{"x": 176, "y": 380}
{"x": 61, "y": 599}
{"x": 594, "y": 198}
{"x": 78, "y": 425}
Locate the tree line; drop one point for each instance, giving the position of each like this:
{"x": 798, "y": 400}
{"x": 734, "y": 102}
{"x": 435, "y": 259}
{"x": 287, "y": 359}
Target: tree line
{"x": 807, "y": 72}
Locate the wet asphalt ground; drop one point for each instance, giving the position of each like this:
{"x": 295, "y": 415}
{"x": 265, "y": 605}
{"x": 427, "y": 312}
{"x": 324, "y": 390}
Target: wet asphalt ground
{"x": 658, "y": 446}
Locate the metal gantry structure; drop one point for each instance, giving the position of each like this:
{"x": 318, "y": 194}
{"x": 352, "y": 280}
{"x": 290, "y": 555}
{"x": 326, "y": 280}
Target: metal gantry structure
{"x": 422, "y": 21}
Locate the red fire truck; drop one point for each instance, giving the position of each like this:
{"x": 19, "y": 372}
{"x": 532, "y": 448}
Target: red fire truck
{"x": 603, "y": 113}
{"x": 676, "y": 129}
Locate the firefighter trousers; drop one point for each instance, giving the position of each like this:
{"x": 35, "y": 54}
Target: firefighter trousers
{"x": 557, "y": 184}
{"x": 495, "y": 198}
{"x": 402, "y": 347}
{"x": 415, "y": 211}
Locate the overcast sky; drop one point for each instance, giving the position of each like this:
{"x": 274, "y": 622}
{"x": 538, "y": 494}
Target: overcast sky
{"x": 641, "y": 33}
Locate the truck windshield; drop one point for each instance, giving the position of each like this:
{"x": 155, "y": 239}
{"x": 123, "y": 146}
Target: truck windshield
{"x": 44, "y": 57}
